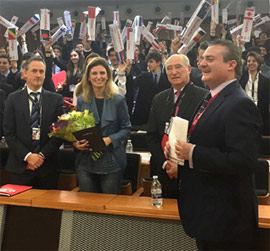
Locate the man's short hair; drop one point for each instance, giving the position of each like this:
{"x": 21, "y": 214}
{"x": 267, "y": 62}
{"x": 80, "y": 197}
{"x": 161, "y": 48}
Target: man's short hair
{"x": 109, "y": 50}
{"x": 185, "y": 58}
{"x": 154, "y": 55}
{"x": 57, "y": 47}
{"x": 5, "y": 56}
{"x": 232, "y": 52}
{"x": 203, "y": 45}
{"x": 31, "y": 59}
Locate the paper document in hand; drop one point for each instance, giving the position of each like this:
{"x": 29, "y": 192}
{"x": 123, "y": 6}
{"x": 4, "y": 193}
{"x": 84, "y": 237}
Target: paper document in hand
{"x": 178, "y": 130}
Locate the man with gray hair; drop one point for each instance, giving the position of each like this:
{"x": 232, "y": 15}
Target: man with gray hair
{"x": 180, "y": 100}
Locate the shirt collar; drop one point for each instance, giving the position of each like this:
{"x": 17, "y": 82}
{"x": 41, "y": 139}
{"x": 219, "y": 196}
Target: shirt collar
{"x": 29, "y": 90}
{"x": 221, "y": 87}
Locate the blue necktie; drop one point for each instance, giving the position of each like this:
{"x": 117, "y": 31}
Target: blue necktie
{"x": 34, "y": 118}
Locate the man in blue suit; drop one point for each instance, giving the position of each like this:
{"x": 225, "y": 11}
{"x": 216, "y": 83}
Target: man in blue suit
{"x": 217, "y": 199}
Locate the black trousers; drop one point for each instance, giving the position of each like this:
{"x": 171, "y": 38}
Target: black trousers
{"x": 225, "y": 245}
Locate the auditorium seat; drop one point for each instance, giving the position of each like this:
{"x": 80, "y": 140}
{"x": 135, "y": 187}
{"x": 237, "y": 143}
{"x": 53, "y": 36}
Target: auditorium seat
{"x": 139, "y": 142}
{"x": 132, "y": 171}
{"x": 264, "y": 151}
{"x": 262, "y": 179}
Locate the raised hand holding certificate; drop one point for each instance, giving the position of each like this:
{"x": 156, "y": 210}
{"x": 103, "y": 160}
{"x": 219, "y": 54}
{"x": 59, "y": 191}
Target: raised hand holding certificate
{"x": 178, "y": 130}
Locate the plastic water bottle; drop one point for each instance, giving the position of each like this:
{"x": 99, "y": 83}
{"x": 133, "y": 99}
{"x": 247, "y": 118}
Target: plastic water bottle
{"x": 156, "y": 192}
{"x": 129, "y": 146}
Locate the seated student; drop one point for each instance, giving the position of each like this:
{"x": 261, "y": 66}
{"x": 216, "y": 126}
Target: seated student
{"x": 148, "y": 84}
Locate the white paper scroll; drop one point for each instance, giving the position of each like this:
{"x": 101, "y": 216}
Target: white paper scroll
{"x": 59, "y": 33}
{"x": 103, "y": 23}
{"x": 116, "y": 37}
{"x": 247, "y": 25}
{"x": 150, "y": 38}
{"x": 165, "y": 20}
{"x": 44, "y": 25}
{"x": 185, "y": 48}
{"x": 13, "y": 20}
{"x": 12, "y": 43}
{"x": 83, "y": 27}
{"x": 130, "y": 44}
{"x": 7, "y": 23}
{"x": 225, "y": 16}
{"x": 195, "y": 21}
{"x": 169, "y": 27}
{"x": 91, "y": 23}
{"x": 137, "y": 24}
{"x": 124, "y": 31}
{"x": 29, "y": 24}
{"x": 116, "y": 18}
{"x": 67, "y": 18}
{"x": 214, "y": 11}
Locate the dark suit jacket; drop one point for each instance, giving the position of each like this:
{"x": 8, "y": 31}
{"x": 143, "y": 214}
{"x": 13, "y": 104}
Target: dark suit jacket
{"x": 147, "y": 89}
{"x": 161, "y": 112}
{"x": 217, "y": 199}
{"x": 263, "y": 98}
{"x": 2, "y": 107}
{"x": 17, "y": 129}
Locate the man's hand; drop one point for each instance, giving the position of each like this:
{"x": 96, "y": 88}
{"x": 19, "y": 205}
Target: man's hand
{"x": 34, "y": 161}
{"x": 171, "y": 169}
{"x": 175, "y": 44}
{"x": 182, "y": 149}
{"x": 107, "y": 140}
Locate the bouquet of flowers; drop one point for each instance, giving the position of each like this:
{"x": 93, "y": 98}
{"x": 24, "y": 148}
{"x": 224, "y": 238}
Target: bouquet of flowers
{"x": 72, "y": 122}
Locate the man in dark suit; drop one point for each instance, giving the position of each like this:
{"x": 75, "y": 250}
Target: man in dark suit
{"x": 27, "y": 118}
{"x": 147, "y": 85}
{"x": 163, "y": 108}
{"x": 217, "y": 199}
{"x": 2, "y": 107}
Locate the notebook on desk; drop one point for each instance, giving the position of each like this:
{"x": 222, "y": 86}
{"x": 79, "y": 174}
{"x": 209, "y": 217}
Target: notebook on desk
{"x": 10, "y": 189}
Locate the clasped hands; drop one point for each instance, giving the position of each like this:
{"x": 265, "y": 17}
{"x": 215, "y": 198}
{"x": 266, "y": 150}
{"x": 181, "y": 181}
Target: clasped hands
{"x": 182, "y": 150}
{"x": 34, "y": 161}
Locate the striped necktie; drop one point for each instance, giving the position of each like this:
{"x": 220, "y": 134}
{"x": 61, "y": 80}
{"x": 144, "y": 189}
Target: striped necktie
{"x": 34, "y": 118}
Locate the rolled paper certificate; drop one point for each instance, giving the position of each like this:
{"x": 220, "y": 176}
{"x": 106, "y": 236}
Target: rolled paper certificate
{"x": 35, "y": 28}
{"x": 150, "y": 38}
{"x": 130, "y": 44}
{"x": 263, "y": 20}
{"x": 60, "y": 21}
{"x": 247, "y": 25}
{"x": 214, "y": 11}
{"x": 91, "y": 23}
{"x": 232, "y": 21}
{"x": 116, "y": 37}
{"x": 124, "y": 31}
{"x": 83, "y": 27}
{"x": 165, "y": 20}
{"x": 169, "y": 27}
{"x": 13, "y": 20}
{"x": 117, "y": 41}
{"x": 67, "y": 18}
{"x": 12, "y": 43}
{"x": 44, "y": 24}
{"x": 225, "y": 16}
{"x": 195, "y": 21}
{"x": 29, "y": 25}
{"x": 103, "y": 23}
{"x": 116, "y": 19}
{"x": 73, "y": 22}
{"x": 148, "y": 27}
{"x": 185, "y": 48}
{"x": 6, "y": 23}
{"x": 54, "y": 29}
{"x": 98, "y": 10}
{"x": 137, "y": 24}
{"x": 182, "y": 18}
{"x": 59, "y": 33}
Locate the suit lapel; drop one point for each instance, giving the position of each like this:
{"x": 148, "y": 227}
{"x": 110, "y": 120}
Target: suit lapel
{"x": 216, "y": 103}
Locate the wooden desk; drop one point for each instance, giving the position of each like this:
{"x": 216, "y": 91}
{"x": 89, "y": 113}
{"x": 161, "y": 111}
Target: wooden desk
{"x": 142, "y": 207}
{"x": 264, "y": 216}
{"x": 74, "y": 201}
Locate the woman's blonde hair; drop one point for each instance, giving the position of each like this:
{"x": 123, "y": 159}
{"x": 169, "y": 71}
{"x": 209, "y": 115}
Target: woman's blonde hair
{"x": 110, "y": 87}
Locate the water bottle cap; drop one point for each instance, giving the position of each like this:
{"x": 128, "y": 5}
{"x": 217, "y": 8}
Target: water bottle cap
{"x": 155, "y": 177}
{"x": 129, "y": 141}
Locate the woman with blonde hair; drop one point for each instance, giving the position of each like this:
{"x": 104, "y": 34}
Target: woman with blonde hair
{"x": 100, "y": 96}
